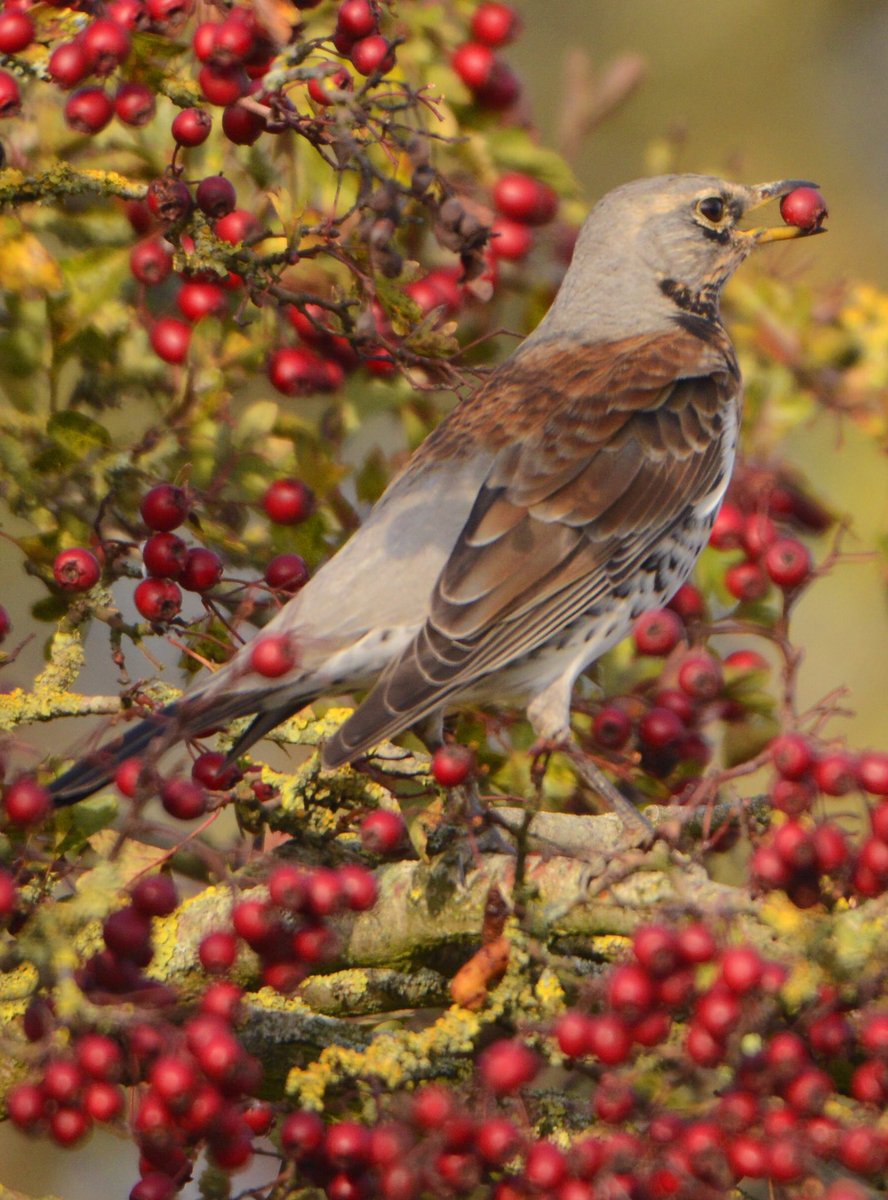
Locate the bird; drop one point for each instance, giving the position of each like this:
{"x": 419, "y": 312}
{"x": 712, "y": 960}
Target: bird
{"x": 573, "y": 490}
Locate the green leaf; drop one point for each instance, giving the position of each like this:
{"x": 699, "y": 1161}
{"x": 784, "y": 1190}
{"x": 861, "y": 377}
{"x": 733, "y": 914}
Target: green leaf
{"x": 79, "y": 822}
{"x": 77, "y": 434}
{"x": 513, "y": 150}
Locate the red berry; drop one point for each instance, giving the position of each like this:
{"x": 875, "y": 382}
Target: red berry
{"x": 158, "y": 599}
{"x": 68, "y": 64}
{"x": 214, "y": 771}
{"x": 155, "y": 896}
{"x": 372, "y": 54}
{"x": 76, "y": 570}
{"x": 127, "y": 934}
{"x": 382, "y": 832}
{"x": 216, "y": 196}
{"x": 302, "y": 1134}
{"x": 237, "y": 226}
{"x": 127, "y": 776}
{"x": 727, "y": 532}
{"x": 287, "y": 573}
{"x": 452, "y": 765}
{"x": 134, "y": 104}
{"x": 788, "y": 563}
{"x": 26, "y": 802}
{"x": 741, "y": 968}
{"x": 273, "y": 656}
{"x": 660, "y": 728}
{"x": 198, "y": 299}
{"x": 873, "y": 772}
{"x": 296, "y": 371}
{"x": 191, "y": 127}
{"x": 501, "y": 90}
{"x": 718, "y": 1011}
{"x": 8, "y": 894}
{"x": 102, "y": 1101}
{"x": 356, "y": 18}
{"x": 495, "y": 24}
{"x": 510, "y": 240}
{"x": 107, "y": 44}
{"x": 25, "y": 1105}
{"x": 288, "y": 887}
{"x": 791, "y": 754}
{"x": 164, "y": 507}
{"x": 88, "y": 110}
{"x": 242, "y": 126}
{"x": 805, "y": 207}
{"x": 545, "y": 1167}
{"x": 793, "y": 796}
{"x": 288, "y": 501}
{"x": 5, "y": 623}
{"x": 523, "y": 198}
{"x": 612, "y": 727}
{"x": 150, "y": 261}
{"x": 473, "y": 63}
{"x": 164, "y": 555}
{"x": 506, "y": 1066}
{"x": 183, "y": 799}
{"x": 169, "y": 200}
{"x": 223, "y": 87}
{"x": 233, "y": 39}
{"x": 836, "y": 773}
{"x": 323, "y": 89}
{"x": 657, "y": 632}
{"x": 700, "y": 675}
{"x": 16, "y": 31}
{"x": 759, "y": 532}
{"x": 695, "y": 944}
{"x": 217, "y": 952}
{"x": 68, "y": 1126}
{"x": 358, "y": 887}
{"x": 630, "y": 991}
{"x": 610, "y": 1038}
{"x": 656, "y": 948}
{"x": 746, "y": 581}
{"x": 170, "y": 339}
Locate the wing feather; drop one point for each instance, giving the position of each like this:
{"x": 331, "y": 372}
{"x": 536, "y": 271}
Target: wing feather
{"x": 594, "y": 479}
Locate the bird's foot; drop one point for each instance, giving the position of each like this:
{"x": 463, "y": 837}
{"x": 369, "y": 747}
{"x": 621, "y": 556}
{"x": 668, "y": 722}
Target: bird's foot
{"x": 637, "y": 828}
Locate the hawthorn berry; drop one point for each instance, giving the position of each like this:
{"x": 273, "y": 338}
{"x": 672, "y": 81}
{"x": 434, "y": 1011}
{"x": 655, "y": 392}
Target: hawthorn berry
{"x": 506, "y": 1066}
{"x": 158, "y": 600}
{"x": 216, "y": 196}
{"x": 237, "y": 226}
{"x": 214, "y": 771}
{"x": 700, "y": 675}
{"x": 150, "y": 261}
{"x": 107, "y": 45}
{"x": 804, "y": 207}
{"x": 473, "y": 63}
{"x": 288, "y": 501}
{"x": 788, "y": 563}
{"x": 191, "y": 127}
{"x": 5, "y": 623}
{"x": 184, "y": 799}
{"x": 155, "y": 896}
{"x": 88, "y": 110}
{"x": 198, "y": 299}
{"x": 452, "y": 765}
{"x": 523, "y": 198}
{"x": 242, "y": 126}
{"x": 223, "y": 87}
{"x": 323, "y": 88}
{"x": 296, "y": 371}
{"x": 76, "y": 570}
{"x": 382, "y": 832}
{"x": 273, "y": 655}
{"x": 168, "y": 199}
{"x": 25, "y": 802}
{"x": 611, "y": 727}
{"x": 873, "y": 772}
{"x": 495, "y": 24}
{"x": 16, "y": 31}
{"x": 836, "y": 773}
{"x": 134, "y": 104}
{"x": 657, "y": 632}
{"x": 287, "y": 573}
{"x": 68, "y": 64}
{"x": 10, "y": 97}
{"x": 164, "y": 555}
{"x": 164, "y": 507}
{"x": 746, "y": 581}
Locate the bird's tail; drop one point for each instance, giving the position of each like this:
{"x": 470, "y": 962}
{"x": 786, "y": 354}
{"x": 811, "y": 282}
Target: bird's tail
{"x": 173, "y": 725}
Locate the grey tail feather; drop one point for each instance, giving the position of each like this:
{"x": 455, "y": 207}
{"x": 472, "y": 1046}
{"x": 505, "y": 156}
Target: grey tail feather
{"x": 371, "y": 723}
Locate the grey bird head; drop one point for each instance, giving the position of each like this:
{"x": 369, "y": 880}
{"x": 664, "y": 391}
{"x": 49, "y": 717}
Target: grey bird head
{"x": 656, "y": 248}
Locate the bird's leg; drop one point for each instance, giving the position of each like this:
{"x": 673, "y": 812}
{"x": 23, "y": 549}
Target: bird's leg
{"x": 636, "y": 825}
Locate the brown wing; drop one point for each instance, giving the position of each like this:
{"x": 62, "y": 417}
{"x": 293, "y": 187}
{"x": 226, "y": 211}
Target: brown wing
{"x": 627, "y": 440}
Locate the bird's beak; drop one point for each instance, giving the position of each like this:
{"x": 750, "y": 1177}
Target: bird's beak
{"x": 761, "y": 194}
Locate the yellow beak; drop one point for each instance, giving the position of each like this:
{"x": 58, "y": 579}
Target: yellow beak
{"x": 765, "y": 192}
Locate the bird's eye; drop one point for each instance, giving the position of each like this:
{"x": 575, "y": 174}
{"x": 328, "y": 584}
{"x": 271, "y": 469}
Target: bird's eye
{"x": 713, "y": 208}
